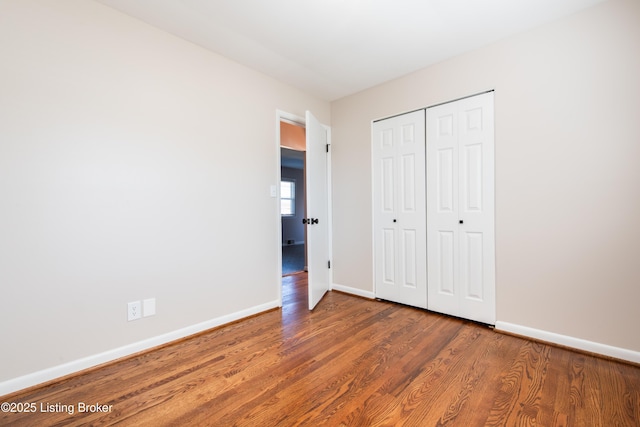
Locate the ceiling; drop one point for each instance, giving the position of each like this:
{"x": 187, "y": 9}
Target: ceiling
{"x": 333, "y": 48}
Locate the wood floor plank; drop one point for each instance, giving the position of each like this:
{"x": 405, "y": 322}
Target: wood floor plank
{"x": 350, "y": 362}
{"x": 621, "y": 411}
{"x": 555, "y": 404}
{"x": 517, "y": 402}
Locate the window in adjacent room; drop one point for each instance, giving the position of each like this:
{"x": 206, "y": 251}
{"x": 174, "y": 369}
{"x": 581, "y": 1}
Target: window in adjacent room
{"x": 287, "y": 198}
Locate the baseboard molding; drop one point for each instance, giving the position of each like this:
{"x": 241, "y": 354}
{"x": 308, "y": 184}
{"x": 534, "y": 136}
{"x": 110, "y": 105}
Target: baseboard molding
{"x": 353, "y": 291}
{"x": 45, "y": 375}
{"x": 567, "y": 341}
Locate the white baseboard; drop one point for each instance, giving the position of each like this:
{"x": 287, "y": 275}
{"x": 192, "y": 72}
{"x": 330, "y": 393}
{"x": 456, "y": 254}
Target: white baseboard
{"x": 567, "y": 341}
{"x": 353, "y": 291}
{"x": 49, "y": 374}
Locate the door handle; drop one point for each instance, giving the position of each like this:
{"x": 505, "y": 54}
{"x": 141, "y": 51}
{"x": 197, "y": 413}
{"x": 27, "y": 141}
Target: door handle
{"x": 461, "y": 222}
{"x": 304, "y": 221}
{"x": 314, "y": 220}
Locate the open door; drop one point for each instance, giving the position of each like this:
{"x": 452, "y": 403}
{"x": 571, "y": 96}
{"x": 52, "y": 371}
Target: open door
{"x": 317, "y": 221}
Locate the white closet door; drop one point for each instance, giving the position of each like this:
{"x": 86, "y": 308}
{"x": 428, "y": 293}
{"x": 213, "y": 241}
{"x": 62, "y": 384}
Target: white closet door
{"x": 460, "y": 208}
{"x": 399, "y": 218}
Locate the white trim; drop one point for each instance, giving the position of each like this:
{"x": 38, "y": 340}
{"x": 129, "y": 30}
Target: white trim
{"x": 78, "y": 365}
{"x": 353, "y": 291}
{"x": 572, "y": 342}
{"x": 373, "y": 225}
{"x": 329, "y": 204}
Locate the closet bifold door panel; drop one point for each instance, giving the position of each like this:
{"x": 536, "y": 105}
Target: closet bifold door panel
{"x": 399, "y": 211}
{"x": 460, "y": 208}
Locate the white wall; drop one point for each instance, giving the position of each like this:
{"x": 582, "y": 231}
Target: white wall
{"x": 567, "y": 99}
{"x": 123, "y": 176}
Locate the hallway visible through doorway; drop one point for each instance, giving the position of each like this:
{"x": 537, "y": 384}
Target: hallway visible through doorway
{"x": 292, "y": 197}
{"x": 292, "y": 259}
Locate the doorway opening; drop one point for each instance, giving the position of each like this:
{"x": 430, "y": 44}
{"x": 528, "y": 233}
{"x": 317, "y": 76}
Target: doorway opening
{"x": 317, "y": 198}
{"x": 293, "y": 197}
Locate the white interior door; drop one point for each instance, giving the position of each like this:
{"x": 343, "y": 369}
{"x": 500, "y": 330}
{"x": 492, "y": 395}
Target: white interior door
{"x": 399, "y": 218}
{"x": 460, "y": 208}
{"x": 317, "y": 190}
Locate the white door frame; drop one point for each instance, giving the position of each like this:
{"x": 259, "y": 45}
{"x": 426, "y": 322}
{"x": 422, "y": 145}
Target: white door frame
{"x": 283, "y": 116}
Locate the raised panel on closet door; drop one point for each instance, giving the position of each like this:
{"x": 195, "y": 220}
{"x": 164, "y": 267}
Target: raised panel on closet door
{"x": 446, "y": 271}
{"x": 387, "y": 185}
{"x": 388, "y": 256}
{"x": 472, "y": 262}
{"x": 408, "y": 183}
{"x": 472, "y": 179}
{"x": 446, "y": 197}
{"x": 409, "y": 259}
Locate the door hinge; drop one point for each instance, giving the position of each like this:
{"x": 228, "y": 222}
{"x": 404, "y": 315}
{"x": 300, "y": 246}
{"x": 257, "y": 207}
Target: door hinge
{"x": 328, "y": 264}
{"x": 328, "y": 147}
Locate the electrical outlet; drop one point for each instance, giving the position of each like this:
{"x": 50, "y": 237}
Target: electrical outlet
{"x": 148, "y": 307}
{"x": 134, "y": 311}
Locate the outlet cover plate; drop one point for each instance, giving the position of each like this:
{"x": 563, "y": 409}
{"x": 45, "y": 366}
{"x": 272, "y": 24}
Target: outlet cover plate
{"x": 134, "y": 311}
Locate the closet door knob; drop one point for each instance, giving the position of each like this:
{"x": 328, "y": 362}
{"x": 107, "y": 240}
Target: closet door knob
{"x": 461, "y": 222}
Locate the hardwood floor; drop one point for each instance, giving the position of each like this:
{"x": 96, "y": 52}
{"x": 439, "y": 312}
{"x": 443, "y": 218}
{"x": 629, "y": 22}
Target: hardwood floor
{"x": 351, "y": 362}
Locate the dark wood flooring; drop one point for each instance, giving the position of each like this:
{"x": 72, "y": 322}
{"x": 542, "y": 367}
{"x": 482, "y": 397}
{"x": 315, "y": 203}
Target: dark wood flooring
{"x": 351, "y": 362}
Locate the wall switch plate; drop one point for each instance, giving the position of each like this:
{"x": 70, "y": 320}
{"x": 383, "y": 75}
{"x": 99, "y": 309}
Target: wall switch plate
{"x": 148, "y": 307}
{"x": 273, "y": 191}
{"x": 134, "y": 311}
